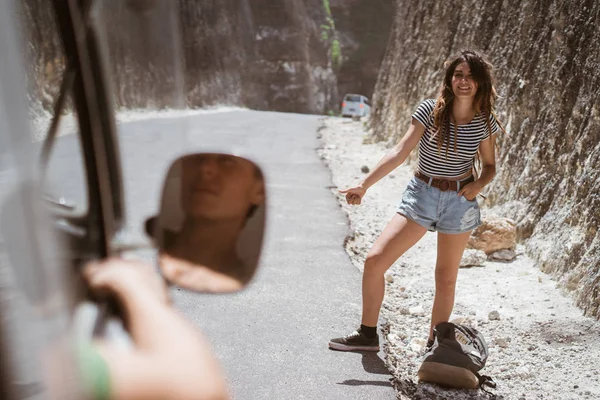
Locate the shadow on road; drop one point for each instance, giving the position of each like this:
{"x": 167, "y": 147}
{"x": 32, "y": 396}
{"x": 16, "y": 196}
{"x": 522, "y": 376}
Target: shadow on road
{"x": 373, "y": 364}
{"x": 357, "y": 382}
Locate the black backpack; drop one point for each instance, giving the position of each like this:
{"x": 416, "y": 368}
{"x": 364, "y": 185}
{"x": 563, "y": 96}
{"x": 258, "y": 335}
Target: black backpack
{"x": 456, "y": 357}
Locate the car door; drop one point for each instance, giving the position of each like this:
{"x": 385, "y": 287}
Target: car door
{"x": 34, "y": 287}
{"x": 90, "y": 229}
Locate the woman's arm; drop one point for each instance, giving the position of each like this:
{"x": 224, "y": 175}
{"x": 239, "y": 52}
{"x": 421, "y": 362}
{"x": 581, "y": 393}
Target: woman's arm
{"x": 396, "y": 156}
{"x": 388, "y": 163}
{"x": 488, "y": 168}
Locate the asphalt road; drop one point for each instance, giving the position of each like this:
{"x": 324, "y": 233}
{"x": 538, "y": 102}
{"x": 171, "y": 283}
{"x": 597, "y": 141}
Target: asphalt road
{"x": 272, "y": 337}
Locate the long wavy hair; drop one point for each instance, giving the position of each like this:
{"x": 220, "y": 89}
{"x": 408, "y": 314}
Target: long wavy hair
{"x": 485, "y": 98}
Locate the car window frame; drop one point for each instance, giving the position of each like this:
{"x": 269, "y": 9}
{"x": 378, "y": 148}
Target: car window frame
{"x": 97, "y": 128}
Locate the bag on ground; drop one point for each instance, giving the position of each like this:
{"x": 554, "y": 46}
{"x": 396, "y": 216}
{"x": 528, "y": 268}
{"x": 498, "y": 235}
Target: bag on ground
{"x": 458, "y": 354}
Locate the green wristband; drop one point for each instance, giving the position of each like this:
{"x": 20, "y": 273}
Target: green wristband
{"x": 94, "y": 372}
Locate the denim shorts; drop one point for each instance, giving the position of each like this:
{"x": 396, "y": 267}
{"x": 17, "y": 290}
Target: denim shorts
{"x": 438, "y": 211}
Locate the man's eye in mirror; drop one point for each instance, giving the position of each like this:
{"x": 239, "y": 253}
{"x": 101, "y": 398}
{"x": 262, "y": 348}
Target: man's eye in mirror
{"x": 211, "y": 222}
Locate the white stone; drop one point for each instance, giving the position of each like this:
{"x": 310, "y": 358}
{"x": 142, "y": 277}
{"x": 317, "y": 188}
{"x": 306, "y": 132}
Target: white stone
{"x": 523, "y": 372}
{"x": 458, "y": 320}
{"x": 473, "y": 258}
{"x": 418, "y": 310}
{"x": 467, "y": 321}
{"x": 389, "y": 278}
{"x": 417, "y": 344}
{"x": 494, "y": 316}
{"x": 501, "y": 342}
{"x": 505, "y": 255}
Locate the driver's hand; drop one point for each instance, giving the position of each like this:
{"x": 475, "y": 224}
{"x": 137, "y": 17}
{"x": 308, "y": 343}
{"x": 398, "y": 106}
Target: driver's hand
{"x": 127, "y": 279}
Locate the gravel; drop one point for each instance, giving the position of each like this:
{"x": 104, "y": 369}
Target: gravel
{"x": 540, "y": 348}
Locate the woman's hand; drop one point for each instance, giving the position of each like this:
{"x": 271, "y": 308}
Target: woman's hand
{"x": 354, "y": 195}
{"x": 471, "y": 190}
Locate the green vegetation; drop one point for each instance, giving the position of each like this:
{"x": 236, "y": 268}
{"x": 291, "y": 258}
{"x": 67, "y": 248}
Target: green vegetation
{"x": 336, "y": 53}
{"x": 327, "y": 7}
{"x": 329, "y": 35}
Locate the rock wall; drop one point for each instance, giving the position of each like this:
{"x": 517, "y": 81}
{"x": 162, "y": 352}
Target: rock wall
{"x": 363, "y": 29}
{"x": 546, "y": 56}
{"x": 261, "y": 54}
{"x": 291, "y": 68}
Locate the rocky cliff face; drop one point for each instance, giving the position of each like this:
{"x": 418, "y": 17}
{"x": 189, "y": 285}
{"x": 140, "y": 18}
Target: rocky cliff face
{"x": 363, "y": 27}
{"x": 291, "y": 67}
{"x": 546, "y": 56}
{"x": 289, "y": 55}
{"x": 261, "y": 54}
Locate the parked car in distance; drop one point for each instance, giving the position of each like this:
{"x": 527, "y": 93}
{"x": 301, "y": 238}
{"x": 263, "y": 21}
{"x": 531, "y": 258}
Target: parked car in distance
{"x": 356, "y": 106}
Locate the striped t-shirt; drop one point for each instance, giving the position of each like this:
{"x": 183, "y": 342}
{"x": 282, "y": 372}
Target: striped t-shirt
{"x": 433, "y": 162}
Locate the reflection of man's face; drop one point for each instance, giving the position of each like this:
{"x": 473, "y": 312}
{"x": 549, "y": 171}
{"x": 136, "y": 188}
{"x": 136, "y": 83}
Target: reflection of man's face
{"x": 218, "y": 186}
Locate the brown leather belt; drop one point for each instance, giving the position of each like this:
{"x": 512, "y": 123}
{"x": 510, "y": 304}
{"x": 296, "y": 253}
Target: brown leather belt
{"x": 443, "y": 184}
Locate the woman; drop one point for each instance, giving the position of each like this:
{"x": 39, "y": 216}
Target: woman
{"x": 451, "y": 131}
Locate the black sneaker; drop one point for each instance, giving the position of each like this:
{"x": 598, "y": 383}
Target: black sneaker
{"x": 356, "y": 341}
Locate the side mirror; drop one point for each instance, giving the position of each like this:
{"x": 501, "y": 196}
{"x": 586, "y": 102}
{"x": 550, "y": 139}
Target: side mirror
{"x": 211, "y": 223}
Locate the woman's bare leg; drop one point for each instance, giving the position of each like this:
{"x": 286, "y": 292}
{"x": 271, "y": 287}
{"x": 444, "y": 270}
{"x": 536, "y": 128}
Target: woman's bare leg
{"x": 449, "y": 253}
{"x": 399, "y": 235}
